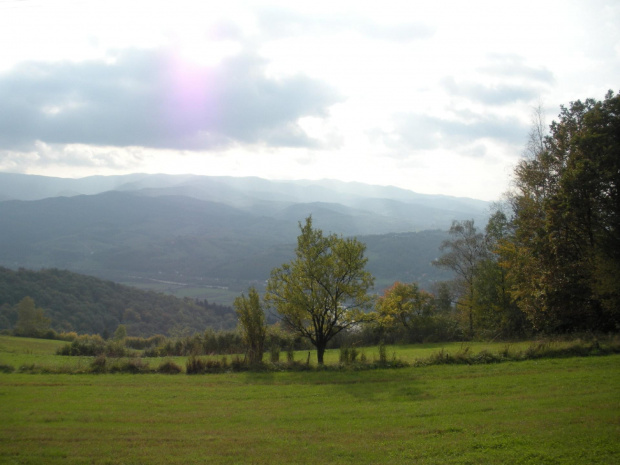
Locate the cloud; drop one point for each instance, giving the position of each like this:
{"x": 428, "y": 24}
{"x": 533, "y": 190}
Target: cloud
{"x": 513, "y": 66}
{"x": 490, "y": 94}
{"x": 279, "y": 22}
{"x": 423, "y": 132}
{"x": 155, "y": 99}
{"x": 42, "y": 155}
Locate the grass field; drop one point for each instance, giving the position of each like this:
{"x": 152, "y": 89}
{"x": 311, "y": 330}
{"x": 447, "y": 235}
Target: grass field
{"x": 18, "y": 352}
{"x": 548, "y": 411}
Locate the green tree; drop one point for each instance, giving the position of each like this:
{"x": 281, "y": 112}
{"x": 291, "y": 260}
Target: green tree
{"x": 403, "y": 304}
{"x": 564, "y": 258}
{"x": 31, "y": 320}
{"x": 462, "y": 254}
{"x": 252, "y": 324}
{"x": 496, "y": 312}
{"x": 121, "y": 333}
{"x": 324, "y": 289}
{"x": 443, "y": 296}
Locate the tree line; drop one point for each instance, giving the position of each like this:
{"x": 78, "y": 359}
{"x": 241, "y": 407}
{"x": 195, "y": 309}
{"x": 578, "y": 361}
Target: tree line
{"x": 548, "y": 260}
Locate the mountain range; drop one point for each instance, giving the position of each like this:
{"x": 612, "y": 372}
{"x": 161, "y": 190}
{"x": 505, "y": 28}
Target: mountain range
{"x": 204, "y": 232}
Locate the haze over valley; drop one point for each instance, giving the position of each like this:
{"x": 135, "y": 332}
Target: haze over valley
{"x": 210, "y": 237}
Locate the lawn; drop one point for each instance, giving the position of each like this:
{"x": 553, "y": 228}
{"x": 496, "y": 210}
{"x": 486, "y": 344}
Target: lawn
{"x": 550, "y": 411}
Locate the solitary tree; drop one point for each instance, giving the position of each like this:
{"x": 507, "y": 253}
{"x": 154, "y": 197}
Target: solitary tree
{"x": 252, "y": 324}
{"x": 324, "y": 289}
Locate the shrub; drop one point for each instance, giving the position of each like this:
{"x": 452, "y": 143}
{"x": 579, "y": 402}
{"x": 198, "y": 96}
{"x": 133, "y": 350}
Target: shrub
{"x": 239, "y": 364}
{"x": 169, "y": 367}
{"x": 141, "y": 343}
{"x": 195, "y": 365}
{"x": 84, "y": 345}
{"x": 6, "y": 368}
{"x": 382, "y": 353}
{"x": 87, "y": 345}
{"x": 133, "y": 365}
{"x": 98, "y": 365}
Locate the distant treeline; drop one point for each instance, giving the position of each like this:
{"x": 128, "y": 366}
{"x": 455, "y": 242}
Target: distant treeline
{"x": 84, "y": 304}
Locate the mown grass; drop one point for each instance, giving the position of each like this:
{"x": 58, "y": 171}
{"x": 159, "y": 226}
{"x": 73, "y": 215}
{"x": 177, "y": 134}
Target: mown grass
{"x": 550, "y": 411}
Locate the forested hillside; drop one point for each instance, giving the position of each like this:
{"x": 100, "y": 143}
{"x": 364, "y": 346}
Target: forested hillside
{"x": 86, "y": 304}
{"x": 131, "y": 237}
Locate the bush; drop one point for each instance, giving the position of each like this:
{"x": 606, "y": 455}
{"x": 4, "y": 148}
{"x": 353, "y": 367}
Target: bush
{"x": 169, "y": 368}
{"x": 93, "y": 346}
{"x": 6, "y": 368}
{"x": 133, "y": 365}
{"x": 84, "y": 345}
{"x": 348, "y": 355}
{"x": 99, "y": 364}
{"x": 141, "y": 343}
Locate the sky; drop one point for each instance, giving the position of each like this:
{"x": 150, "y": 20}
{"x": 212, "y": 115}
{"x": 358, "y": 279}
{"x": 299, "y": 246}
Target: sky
{"x": 432, "y": 96}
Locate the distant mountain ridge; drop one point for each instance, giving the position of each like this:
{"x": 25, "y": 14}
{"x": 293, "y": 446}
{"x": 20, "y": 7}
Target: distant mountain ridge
{"x": 215, "y": 231}
{"x": 377, "y": 209}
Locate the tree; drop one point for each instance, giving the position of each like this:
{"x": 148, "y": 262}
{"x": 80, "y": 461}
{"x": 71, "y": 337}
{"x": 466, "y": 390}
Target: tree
{"x": 323, "y": 291}
{"x": 121, "y": 333}
{"x": 443, "y": 296}
{"x": 31, "y": 320}
{"x": 496, "y": 312}
{"x": 403, "y": 304}
{"x": 564, "y": 259}
{"x": 462, "y": 255}
{"x": 252, "y": 324}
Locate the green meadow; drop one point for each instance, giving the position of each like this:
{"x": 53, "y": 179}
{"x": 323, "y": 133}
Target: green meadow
{"x": 543, "y": 411}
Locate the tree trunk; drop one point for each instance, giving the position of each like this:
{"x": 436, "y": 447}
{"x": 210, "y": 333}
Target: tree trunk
{"x": 320, "y": 352}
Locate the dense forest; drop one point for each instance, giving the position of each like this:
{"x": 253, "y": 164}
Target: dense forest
{"x": 548, "y": 259}
{"x": 85, "y": 304}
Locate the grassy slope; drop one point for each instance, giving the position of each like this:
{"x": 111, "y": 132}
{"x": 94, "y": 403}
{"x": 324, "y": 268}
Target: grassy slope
{"x": 545, "y": 411}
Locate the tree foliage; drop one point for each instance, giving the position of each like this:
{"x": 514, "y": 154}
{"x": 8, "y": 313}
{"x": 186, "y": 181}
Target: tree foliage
{"x": 564, "y": 258}
{"x": 31, "y": 320}
{"x": 252, "y": 324}
{"x": 403, "y": 304}
{"x": 85, "y": 304}
{"x": 462, "y": 254}
{"x": 323, "y": 290}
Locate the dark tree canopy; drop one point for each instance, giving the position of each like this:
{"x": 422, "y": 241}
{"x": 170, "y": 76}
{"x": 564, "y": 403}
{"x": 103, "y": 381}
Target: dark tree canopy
{"x": 564, "y": 258}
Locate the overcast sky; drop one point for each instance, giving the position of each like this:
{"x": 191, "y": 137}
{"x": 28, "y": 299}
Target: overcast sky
{"x": 432, "y": 96}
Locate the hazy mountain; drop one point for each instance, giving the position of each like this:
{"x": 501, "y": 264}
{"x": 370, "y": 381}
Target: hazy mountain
{"x": 376, "y": 209}
{"x": 200, "y": 230}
